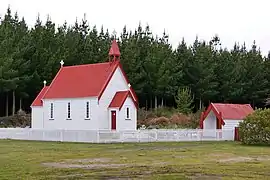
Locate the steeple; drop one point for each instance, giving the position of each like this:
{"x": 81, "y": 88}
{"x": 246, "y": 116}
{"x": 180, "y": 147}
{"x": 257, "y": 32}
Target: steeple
{"x": 114, "y": 52}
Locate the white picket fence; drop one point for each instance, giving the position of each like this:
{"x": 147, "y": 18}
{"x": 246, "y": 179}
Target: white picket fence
{"x": 105, "y": 136}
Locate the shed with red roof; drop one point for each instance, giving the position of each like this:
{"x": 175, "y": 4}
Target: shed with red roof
{"x": 224, "y": 116}
{"x": 88, "y": 97}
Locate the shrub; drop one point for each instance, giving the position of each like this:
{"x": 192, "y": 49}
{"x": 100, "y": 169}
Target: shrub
{"x": 180, "y": 119}
{"x": 184, "y": 100}
{"x": 255, "y": 129}
{"x": 21, "y": 119}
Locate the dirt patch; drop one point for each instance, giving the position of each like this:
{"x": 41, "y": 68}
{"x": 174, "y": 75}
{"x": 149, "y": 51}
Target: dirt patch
{"x": 206, "y": 177}
{"x": 71, "y": 176}
{"x": 82, "y": 166}
{"x": 90, "y": 160}
{"x": 243, "y": 159}
{"x": 95, "y": 163}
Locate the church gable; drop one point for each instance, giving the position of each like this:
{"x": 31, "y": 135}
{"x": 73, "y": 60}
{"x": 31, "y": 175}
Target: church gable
{"x": 89, "y": 80}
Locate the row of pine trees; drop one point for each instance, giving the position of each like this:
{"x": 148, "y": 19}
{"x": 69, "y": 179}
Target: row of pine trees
{"x": 156, "y": 70}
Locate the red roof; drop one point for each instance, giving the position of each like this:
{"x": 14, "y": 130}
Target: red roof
{"x": 81, "y": 80}
{"x": 119, "y": 99}
{"x": 227, "y": 111}
{"x": 37, "y": 101}
{"x": 233, "y": 111}
{"x": 114, "y": 49}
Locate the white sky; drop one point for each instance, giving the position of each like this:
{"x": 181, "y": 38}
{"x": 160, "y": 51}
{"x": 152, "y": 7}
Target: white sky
{"x": 232, "y": 20}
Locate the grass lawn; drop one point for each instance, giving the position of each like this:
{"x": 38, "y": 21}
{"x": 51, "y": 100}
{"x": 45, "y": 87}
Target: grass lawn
{"x": 185, "y": 160}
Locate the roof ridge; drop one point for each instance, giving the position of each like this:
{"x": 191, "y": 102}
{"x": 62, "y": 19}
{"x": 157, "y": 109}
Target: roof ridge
{"x": 81, "y": 65}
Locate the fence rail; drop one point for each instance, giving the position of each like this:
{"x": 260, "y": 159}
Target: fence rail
{"x": 105, "y": 136}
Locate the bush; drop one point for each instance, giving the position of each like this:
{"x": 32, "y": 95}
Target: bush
{"x": 255, "y": 129}
{"x": 21, "y": 119}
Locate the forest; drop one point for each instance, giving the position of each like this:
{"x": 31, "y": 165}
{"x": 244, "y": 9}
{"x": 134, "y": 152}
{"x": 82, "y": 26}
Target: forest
{"x": 156, "y": 70}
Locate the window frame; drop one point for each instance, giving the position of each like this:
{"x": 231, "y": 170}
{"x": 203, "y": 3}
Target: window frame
{"x": 87, "y": 110}
{"x": 68, "y": 111}
{"x": 51, "y": 112}
{"x": 127, "y": 113}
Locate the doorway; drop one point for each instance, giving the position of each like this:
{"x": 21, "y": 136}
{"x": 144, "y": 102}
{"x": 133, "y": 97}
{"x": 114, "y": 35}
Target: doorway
{"x": 113, "y": 119}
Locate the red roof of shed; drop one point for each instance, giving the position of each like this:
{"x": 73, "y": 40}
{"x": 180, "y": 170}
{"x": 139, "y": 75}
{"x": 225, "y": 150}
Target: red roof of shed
{"x": 37, "y": 101}
{"x": 227, "y": 111}
{"x": 233, "y": 111}
{"x": 119, "y": 99}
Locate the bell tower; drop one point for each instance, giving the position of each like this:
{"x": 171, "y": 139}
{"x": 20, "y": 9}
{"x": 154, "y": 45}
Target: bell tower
{"x": 114, "y": 53}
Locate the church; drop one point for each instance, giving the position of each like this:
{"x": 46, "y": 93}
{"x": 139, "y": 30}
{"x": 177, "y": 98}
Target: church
{"x": 87, "y": 97}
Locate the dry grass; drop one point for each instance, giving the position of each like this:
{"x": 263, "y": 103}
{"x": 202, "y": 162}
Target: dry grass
{"x": 193, "y": 160}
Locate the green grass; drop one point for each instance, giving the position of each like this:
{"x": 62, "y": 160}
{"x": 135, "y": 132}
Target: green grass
{"x": 185, "y": 160}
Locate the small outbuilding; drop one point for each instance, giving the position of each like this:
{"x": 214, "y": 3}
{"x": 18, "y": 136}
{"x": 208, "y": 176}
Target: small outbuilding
{"x": 224, "y": 116}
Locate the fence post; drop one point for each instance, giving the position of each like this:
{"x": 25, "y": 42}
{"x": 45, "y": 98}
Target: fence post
{"x": 61, "y": 135}
{"x": 97, "y": 140}
{"x": 236, "y": 134}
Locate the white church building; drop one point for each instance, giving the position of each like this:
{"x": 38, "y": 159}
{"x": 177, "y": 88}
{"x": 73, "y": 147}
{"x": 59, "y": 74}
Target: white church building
{"x": 87, "y": 97}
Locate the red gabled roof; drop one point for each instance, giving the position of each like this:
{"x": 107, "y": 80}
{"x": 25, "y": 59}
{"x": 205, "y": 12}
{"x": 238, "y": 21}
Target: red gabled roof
{"x": 227, "y": 111}
{"x": 84, "y": 80}
{"x": 233, "y": 111}
{"x": 38, "y": 101}
{"x": 119, "y": 99}
{"x": 81, "y": 80}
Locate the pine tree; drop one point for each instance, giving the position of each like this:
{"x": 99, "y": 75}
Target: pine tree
{"x": 184, "y": 100}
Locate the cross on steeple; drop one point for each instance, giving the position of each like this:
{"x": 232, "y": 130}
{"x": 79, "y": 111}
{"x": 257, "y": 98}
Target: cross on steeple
{"x": 62, "y": 63}
{"x": 114, "y": 34}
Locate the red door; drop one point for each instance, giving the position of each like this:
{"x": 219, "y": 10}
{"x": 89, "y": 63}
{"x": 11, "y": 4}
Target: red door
{"x": 113, "y": 117}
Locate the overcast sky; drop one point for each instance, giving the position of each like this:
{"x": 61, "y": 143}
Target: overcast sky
{"x": 232, "y": 20}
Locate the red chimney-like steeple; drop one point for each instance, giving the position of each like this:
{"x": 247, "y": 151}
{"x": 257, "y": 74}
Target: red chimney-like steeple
{"x": 114, "y": 52}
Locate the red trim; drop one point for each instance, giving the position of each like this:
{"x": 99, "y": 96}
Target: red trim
{"x": 38, "y": 99}
{"x": 218, "y": 114}
{"x": 127, "y": 94}
{"x": 125, "y": 77}
{"x": 108, "y": 80}
{"x": 201, "y": 120}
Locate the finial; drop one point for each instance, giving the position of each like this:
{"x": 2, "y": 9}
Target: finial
{"x": 62, "y": 63}
{"x": 114, "y": 34}
{"x": 44, "y": 82}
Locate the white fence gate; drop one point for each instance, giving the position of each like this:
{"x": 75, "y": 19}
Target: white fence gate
{"x": 105, "y": 136}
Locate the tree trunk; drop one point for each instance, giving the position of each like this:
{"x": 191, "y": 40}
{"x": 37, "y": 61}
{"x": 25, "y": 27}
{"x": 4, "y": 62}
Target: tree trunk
{"x": 13, "y": 103}
{"x": 162, "y": 102}
{"x": 156, "y": 102}
{"x": 20, "y": 103}
{"x": 7, "y": 105}
{"x": 200, "y": 103}
{"x": 146, "y": 105}
{"x": 151, "y": 104}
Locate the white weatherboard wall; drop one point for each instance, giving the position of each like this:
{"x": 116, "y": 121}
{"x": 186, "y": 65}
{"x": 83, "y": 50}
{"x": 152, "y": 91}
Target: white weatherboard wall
{"x": 122, "y": 122}
{"x": 230, "y": 124}
{"x": 77, "y": 112}
{"x": 210, "y": 121}
{"x": 117, "y": 83}
{"x": 37, "y": 117}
